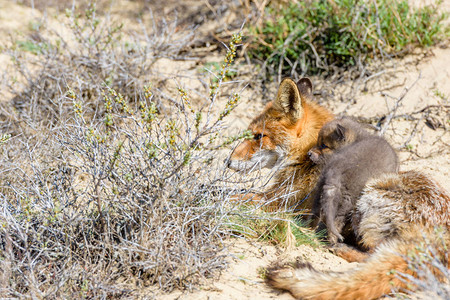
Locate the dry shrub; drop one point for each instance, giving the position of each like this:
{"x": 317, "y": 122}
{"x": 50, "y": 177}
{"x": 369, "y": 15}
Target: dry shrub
{"x": 102, "y": 193}
{"x": 87, "y": 54}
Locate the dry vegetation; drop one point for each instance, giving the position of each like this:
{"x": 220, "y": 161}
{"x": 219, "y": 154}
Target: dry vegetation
{"x": 110, "y": 179}
{"x": 105, "y": 181}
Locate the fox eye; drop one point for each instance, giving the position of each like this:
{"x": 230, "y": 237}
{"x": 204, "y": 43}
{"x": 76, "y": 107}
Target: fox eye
{"x": 323, "y": 146}
{"x": 258, "y": 136}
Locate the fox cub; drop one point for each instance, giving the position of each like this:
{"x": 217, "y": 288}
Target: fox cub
{"x": 349, "y": 157}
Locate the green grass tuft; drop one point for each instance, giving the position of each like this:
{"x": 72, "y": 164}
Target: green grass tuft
{"x": 279, "y": 229}
{"x": 312, "y": 36}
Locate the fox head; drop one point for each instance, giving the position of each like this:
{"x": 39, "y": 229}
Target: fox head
{"x": 280, "y": 132}
{"x": 333, "y": 136}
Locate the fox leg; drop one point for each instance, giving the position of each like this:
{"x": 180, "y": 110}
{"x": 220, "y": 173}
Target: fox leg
{"x": 331, "y": 197}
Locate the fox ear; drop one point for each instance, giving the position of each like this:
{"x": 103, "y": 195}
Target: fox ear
{"x": 340, "y": 132}
{"x": 289, "y": 100}
{"x": 305, "y": 87}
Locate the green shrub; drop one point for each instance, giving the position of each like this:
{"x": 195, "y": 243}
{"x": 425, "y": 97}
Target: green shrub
{"x": 312, "y": 36}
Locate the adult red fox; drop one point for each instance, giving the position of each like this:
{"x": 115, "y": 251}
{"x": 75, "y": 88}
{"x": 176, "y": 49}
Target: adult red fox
{"x": 283, "y": 134}
{"x": 396, "y": 215}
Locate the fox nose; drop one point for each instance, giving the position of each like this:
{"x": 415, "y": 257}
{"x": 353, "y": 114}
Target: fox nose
{"x": 310, "y": 153}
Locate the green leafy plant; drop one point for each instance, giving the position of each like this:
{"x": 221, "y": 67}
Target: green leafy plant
{"x": 315, "y": 35}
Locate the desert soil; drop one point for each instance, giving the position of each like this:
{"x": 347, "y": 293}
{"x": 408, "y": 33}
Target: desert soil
{"x": 421, "y": 147}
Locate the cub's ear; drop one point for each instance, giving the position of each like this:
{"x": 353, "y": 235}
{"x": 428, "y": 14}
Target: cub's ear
{"x": 305, "y": 87}
{"x": 340, "y": 132}
{"x": 289, "y": 100}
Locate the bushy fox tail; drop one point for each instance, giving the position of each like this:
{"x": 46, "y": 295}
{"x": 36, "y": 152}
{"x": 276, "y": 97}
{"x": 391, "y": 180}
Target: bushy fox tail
{"x": 369, "y": 280}
{"x": 397, "y": 215}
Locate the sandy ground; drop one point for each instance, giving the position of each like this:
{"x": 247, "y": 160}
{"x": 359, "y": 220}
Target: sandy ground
{"x": 426, "y": 149}
{"x": 242, "y": 280}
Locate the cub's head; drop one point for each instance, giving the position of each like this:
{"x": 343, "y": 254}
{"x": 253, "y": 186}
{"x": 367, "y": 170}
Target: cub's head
{"x": 275, "y": 130}
{"x": 333, "y": 136}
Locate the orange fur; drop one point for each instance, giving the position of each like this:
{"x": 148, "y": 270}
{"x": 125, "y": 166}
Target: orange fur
{"x": 395, "y": 214}
{"x": 284, "y": 133}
